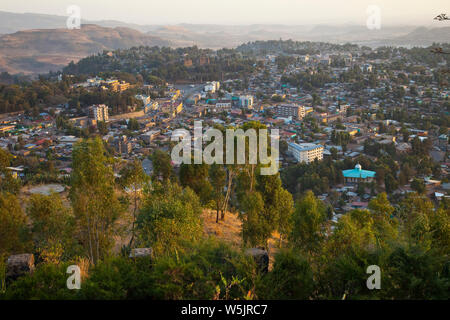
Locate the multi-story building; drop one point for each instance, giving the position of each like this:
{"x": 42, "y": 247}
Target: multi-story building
{"x": 306, "y": 152}
{"x": 123, "y": 146}
{"x": 212, "y": 86}
{"x": 149, "y": 136}
{"x": 290, "y": 110}
{"x": 99, "y": 113}
{"x": 223, "y": 104}
{"x": 246, "y": 101}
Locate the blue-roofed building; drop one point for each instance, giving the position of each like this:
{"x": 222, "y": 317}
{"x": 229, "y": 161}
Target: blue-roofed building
{"x": 358, "y": 175}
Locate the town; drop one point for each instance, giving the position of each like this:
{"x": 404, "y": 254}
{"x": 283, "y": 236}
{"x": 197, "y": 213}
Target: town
{"x": 344, "y": 106}
{"x": 88, "y": 183}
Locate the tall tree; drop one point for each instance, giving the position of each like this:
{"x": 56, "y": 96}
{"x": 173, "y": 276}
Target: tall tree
{"x": 218, "y": 178}
{"x": 308, "y": 228}
{"x": 13, "y": 225}
{"x": 133, "y": 179}
{"x": 93, "y": 198}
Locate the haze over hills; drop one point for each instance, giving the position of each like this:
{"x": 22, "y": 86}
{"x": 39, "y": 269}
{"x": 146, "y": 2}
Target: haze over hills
{"x": 37, "y": 43}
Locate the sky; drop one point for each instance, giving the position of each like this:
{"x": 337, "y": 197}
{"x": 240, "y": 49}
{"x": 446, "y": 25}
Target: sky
{"x": 240, "y": 12}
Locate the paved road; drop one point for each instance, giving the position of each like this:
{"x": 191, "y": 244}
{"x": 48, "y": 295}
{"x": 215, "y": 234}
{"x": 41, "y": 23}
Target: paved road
{"x": 188, "y": 90}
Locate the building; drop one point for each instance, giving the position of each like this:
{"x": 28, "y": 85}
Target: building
{"x": 366, "y": 68}
{"x": 152, "y": 106}
{"x": 246, "y": 101}
{"x": 223, "y": 104}
{"x": 290, "y": 110}
{"x": 123, "y": 146}
{"x": 144, "y": 98}
{"x": 306, "y": 152}
{"x": 212, "y": 86}
{"x": 149, "y": 136}
{"x": 358, "y": 175}
{"x": 99, "y": 113}
{"x": 117, "y": 86}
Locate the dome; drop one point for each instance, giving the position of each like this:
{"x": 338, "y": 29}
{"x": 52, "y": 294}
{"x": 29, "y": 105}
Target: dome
{"x": 358, "y": 167}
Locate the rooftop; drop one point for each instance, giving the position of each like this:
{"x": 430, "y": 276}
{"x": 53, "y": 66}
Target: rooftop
{"x": 358, "y": 172}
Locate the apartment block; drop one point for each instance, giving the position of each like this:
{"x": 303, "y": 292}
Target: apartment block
{"x": 290, "y": 110}
{"x": 306, "y": 152}
{"x": 99, "y": 113}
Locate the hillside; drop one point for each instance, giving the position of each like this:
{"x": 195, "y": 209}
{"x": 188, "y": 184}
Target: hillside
{"x": 42, "y": 50}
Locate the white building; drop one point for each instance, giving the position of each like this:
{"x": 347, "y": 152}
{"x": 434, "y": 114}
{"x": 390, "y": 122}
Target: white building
{"x": 144, "y": 98}
{"x": 366, "y": 68}
{"x": 306, "y": 152}
{"x": 212, "y": 86}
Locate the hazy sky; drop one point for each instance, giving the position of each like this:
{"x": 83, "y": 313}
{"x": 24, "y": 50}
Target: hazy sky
{"x": 239, "y": 11}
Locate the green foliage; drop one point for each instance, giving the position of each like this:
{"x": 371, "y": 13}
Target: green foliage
{"x": 119, "y": 278}
{"x": 47, "y": 282}
{"x": 418, "y": 185}
{"x": 199, "y": 273}
{"x": 14, "y": 233}
{"x": 157, "y": 65}
{"x": 195, "y": 176}
{"x": 415, "y": 273}
{"x": 53, "y": 227}
{"x": 290, "y": 279}
{"x": 7, "y": 182}
{"x": 170, "y": 216}
{"x": 94, "y": 201}
{"x": 162, "y": 165}
{"x": 308, "y": 229}
{"x": 255, "y": 230}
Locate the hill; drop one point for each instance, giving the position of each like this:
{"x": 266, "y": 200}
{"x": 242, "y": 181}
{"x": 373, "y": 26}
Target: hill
{"x": 42, "y": 50}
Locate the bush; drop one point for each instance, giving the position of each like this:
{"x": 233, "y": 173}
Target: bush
{"x": 291, "y": 278}
{"x": 206, "y": 271}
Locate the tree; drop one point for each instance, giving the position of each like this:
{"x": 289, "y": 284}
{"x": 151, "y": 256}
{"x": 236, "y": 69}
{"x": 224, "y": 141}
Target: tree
{"x": 94, "y": 201}
{"x": 390, "y": 183}
{"x": 278, "y": 205}
{"x": 7, "y": 182}
{"x": 162, "y": 165}
{"x": 254, "y": 229}
{"x": 418, "y": 185}
{"x": 169, "y": 218}
{"x": 52, "y": 227}
{"x": 13, "y": 225}
{"x": 133, "y": 125}
{"x": 196, "y": 177}
{"x": 218, "y": 178}
{"x": 308, "y": 223}
{"x": 284, "y": 205}
{"x": 291, "y": 278}
{"x": 133, "y": 179}
{"x": 102, "y": 127}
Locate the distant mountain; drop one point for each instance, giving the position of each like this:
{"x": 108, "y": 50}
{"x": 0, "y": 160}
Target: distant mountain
{"x": 13, "y": 22}
{"x": 42, "y": 50}
{"x": 424, "y": 37}
{"x": 34, "y": 43}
